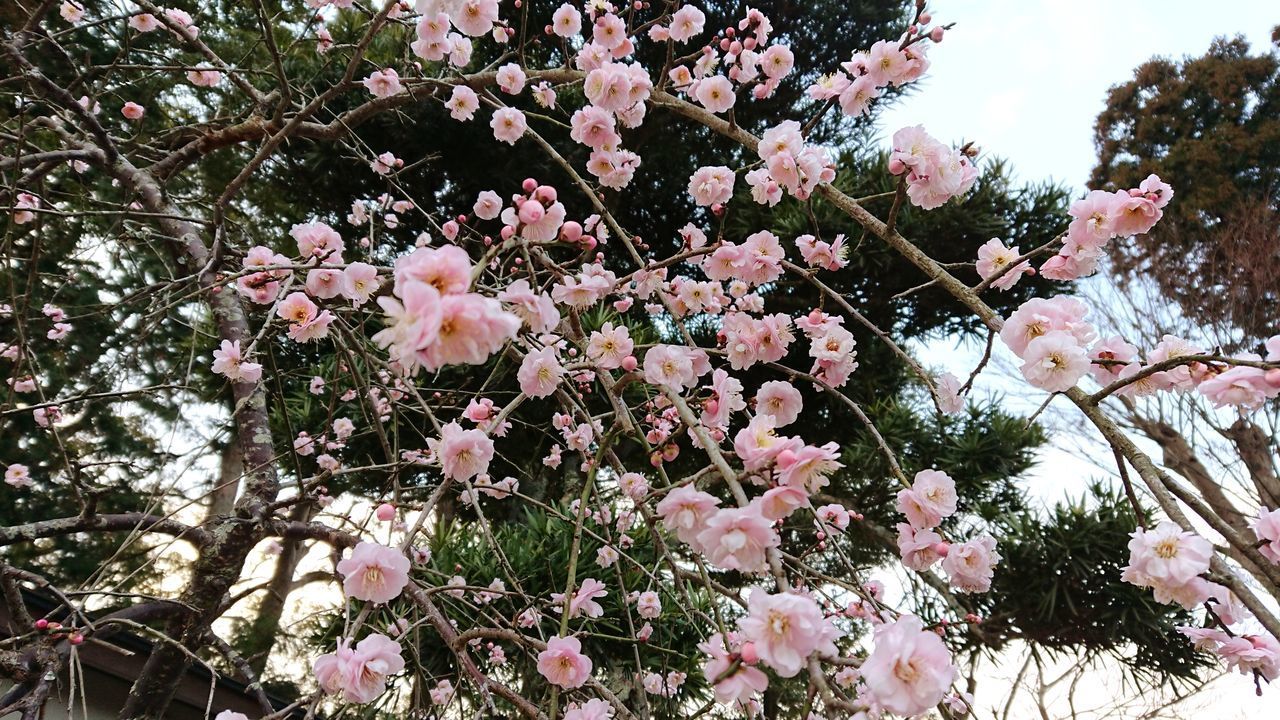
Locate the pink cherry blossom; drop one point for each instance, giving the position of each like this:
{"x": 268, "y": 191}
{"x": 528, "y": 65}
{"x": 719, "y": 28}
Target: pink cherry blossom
{"x": 715, "y": 93}
{"x": 1054, "y": 362}
{"x": 786, "y": 628}
{"x": 17, "y": 475}
{"x": 970, "y": 565}
{"x": 781, "y": 400}
{"x": 228, "y": 361}
{"x": 508, "y": 125}
{"x": 931, "y": 498}
{"x": 994, "y": 257}
{"x": 1166, "y": 556}
{"x": 1267, "y": 530}
{"x": 359, "y": 673}
{"x": 463, "y": 103}
{"x": 737, "y": 538}
{"x": 540, "y": 373}
{"x": 909, "y": 670}
{"x": 462, "y": 454}
{"x": 711, "y": 185}
{"x": 686, "y": 23}
{"x": 563, "y": 663}
{"x": 475, "y": 17}
{"x": 374, "y": 572}
{"x": 383, "y": 83}
{"x": 609, "y": 345}
{"x": 566, "y": 21}
{"x": 685, "y": 512}
{"x": 133, "y": 111}
{"x": 918, "y": 548}
{"x": 735, "y": 685}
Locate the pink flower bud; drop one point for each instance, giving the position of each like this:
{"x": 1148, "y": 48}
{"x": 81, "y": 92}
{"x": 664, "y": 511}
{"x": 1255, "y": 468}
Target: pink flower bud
{"x": 42, "y": 624}
{"x": 529, "y": 185}
{"x": 76, "y": 639}
{"x": 629, "y": 363}
{"x": 936, "y": 34}
{"x": 926, "y": 17}
{"x": 571, "y": 231}
{"x": 897, "y": 167}
{"x": 507, "y": 232}
{"x": 531, "y": 211}
{"x": 749, "y": 654}
{"x": 386, "y": 512}
{"x": 941, "y": 548}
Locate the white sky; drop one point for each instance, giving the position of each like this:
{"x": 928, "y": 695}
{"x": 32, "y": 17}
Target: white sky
{"x": 1025, "y": 79}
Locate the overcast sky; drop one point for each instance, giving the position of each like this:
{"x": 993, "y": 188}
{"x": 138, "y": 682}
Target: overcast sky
{"x": 1024, "y": 79}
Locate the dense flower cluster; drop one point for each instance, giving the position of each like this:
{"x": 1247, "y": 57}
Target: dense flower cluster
{"x": 572, "y": 311}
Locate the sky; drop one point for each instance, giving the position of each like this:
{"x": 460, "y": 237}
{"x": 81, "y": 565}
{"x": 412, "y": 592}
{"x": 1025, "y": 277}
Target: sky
{"x": 1024, "y": 79}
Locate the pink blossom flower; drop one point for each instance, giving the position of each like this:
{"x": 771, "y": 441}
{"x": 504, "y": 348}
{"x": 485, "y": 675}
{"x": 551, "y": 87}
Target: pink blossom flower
{"x": 674, "y": 366}
{"x": 808, "y": 466}
{"x": 733, "y": 686}
{"x": 133, "y": 111}
{"x": 563, "y": 663}
{"x": 609, "y": 345}
{"x": 1267, "y": 530}
{"x": 442, "y": 693}
{"x": 446, "y": 268}
{"x": 931, "y": 498}
{"x": 228, "y": 361}
{"x": 462, "y": 454}
{"x": 510, "y": 79}
{"x": 909, "y": 670}
{"x": 318, "y": 240}
{"x": 1054, "y": 362}
{"x": 634, "y": 485}
{"x": 463, "y": 103}
{"x": 566, "y": 21}
{"x": 475, "y": 17}
{"x": 1038, "y": 316}
{"x": 70, "y": 11}
{"x": 781, "y": 400}
{"x": 821, "y": 254}
{"x": 144, "y": 22}
{"x": 1166, "y": 555}
{"x": 540, "y": 373}
{"x": 359, "y": 282}
{"x": 779, "y": 502}
{"x": 17, "y": 475}
{"x": 383, "y": 83}
{"x": 686, "y": 23}
{"x": 786, "y": 628}
{"x": 970, "y": 565}
{"x": 537, "y": 310}
{"x": 204, "y": 77}
{"x": 833, "y": 515}
{"x": 360, "y": 673}
{"x": 1241, "y": 386}
{"x": 757, "y": 445}
{"x": 994, "y": 257}
{"x": 374, "y": 572}
{"x": 583, "y": 601}
{"x": 508, "y": 125}
{"x": 593, "y": 709}
{"x": 711, "y": 185}
{"x": 648, "y": 605}
{"x": 715, "y": 93}
{"x": 685, "y": 512}
{"x": 737, "y": 538}
{"x": 918, "y": 548}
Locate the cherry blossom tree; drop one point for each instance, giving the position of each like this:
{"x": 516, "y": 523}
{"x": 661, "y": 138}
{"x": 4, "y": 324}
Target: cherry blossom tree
{"x": 680, "y": 391}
